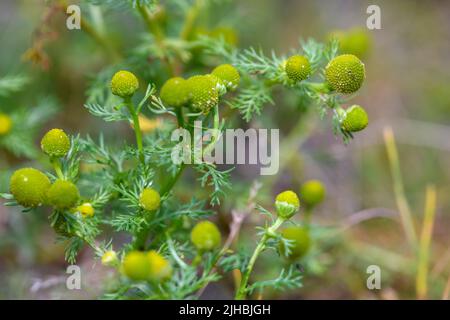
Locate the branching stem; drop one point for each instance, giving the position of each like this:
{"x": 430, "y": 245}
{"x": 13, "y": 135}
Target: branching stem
{"x": 242, "y": 290}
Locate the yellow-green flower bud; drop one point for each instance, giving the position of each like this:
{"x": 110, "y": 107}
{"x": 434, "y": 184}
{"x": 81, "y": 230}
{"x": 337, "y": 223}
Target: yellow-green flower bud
{"x": 63, "y": 194}
{"x": 312, "y": 193}
{"x": 159, "y": 267}
{"x": 355, "y": 41}
{"x": 124, "y": 84}
{"x": 228, "y": 75}
{"x": 300, "y": 244}
{"x": 86, "y": 210}
{"x": 136, "y": 266}
{"x": 206, "y": 236}
{"x": 144, "y": 266}
{"x": 287, "y": 204}
{"x": 110, "y": 259}
{"x": 5, "y": 124}
{"x": 203, "y": 93}
{"x": 175, "y": 92}
{"x": 355, "y": 119}
{"x": 345, "y": 73}
{"x": 29, "y": 187}
{"x": 55, "y": 143}
{"x": 297, "y": 68}
{"x": 150, "y": 199}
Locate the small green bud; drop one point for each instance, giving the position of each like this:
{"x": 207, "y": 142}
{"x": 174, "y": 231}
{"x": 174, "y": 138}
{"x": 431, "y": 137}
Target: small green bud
{"x": 287, "y": 204}
{"x": 124, "y": 84}
{"x": 110, "y": 259}
{"x": 150, "y": 199}
{"x": 312, "y": 193}
{"x": 63, "y": 194}
{"x": 175, "y": 92}
{"x": 228, "y": 75}
{"x": 159, "y": 267}
{"x": 29, "y": 187}
{"x": 136, "y": 266}
{"x": 345, "y": 73}
{"x": 297, "y": 68}
{"x": 55, "y": 143}
{"x": 301, "y": 242}
{"x": 203, "y": 93}
{"x": 206, "y": 236}
{"x": 86, "y": 210}
{"x": 5, "y": 124}
{"x": 356, "y": 41}
{"x": 355, "y": 119}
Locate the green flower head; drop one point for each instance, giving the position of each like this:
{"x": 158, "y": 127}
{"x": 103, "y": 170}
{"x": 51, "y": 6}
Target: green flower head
{"x": 150, "y": 199}
{"x": 29, "y": 187}
{"x": 146, "y": 266}
{"x": 124, "y": 84}
{"x": 300, "y": 242}
{"x": 63, "y": 194}
{"x": 287, "y": 204}
{"x": 228, "y": 75}
{"x": 55, "y": 143}
{"x": 312, "y": 193}
{"x": 206, "y": 236}
{"x": 356, "y": 41}
{"x": 136, "y": 266}
{"x": 355, "y": 119}
{"x": 175, "y": 92}
{"x": 345, "y": 73}
{"x": 203, "y": 93}
{"x": 5, "y": 124}
{"x": 297, "y": 68}
{"x": 159, "y": 267}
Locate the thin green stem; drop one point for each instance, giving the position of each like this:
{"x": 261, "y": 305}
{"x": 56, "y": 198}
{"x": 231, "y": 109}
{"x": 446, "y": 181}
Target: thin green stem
{"x": 216, "y": 131}
{"x": 137, "y": 129}
{"x": 242, "y": 290}
{"x": 168, "y": 187}
{"x": 189, "y": 21}
{"x": 57, "y": 167}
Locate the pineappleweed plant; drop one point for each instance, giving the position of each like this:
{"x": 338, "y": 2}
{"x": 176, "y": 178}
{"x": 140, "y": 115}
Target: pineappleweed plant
{"x": 175, "y": 250}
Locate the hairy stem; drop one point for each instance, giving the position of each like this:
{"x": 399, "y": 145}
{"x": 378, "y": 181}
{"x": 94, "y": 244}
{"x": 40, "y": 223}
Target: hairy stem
{"x": 242, "y": 290}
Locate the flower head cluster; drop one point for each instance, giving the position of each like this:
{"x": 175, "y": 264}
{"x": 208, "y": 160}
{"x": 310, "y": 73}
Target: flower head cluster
{"x": 150, "y": 199}
{"x": 63, "y": 194}
{"x": 300, "y": 242}
{"x": 228, "y": 75}
{"x": 146, "y": 266}
{"x": 297, "y": 68}
{"x": 312, "y": 193}
{"x": 29, "y": 187}
{"x": 175, "y": 92}
{"x": 345, "y": 73}
{"x": 355, "y": 119}
{"x": 55, "y": 143}
{"x": 124, "y": 84}
{"x": 206, "y": 236}
{"x": 287, "y": 204}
